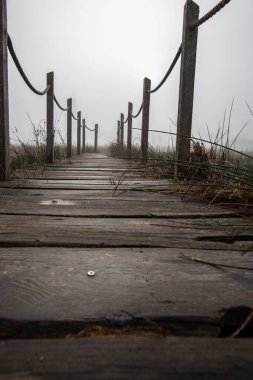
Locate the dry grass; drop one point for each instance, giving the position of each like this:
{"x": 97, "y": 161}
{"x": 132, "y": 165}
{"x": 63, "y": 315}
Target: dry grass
{"x": 29, "y": 154}
{"x": 213, "y": 172}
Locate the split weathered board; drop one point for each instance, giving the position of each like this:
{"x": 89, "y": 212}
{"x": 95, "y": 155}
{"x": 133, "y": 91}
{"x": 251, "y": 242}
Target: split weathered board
{"x": 158, "y": 260}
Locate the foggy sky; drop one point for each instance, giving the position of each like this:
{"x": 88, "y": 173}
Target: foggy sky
{"x": 100, "y": 51}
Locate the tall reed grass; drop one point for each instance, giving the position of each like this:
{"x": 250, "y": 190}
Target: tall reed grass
{"x": 32, "y": 153}
{"x": 215, "y": 169}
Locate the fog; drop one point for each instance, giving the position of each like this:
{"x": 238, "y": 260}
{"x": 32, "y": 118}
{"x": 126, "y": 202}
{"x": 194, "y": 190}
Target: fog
{"x": 100, "y": 51}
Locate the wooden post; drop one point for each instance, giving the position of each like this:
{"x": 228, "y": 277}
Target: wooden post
{"x": 78, "y": 150}
{"x": 129, "y": 130}
{"x": 118, "y": 133}
{"x": 50, "y": 118}
{"x": 186, "y": 89}
{"x": 69, "y": 128}
{"x": 84, "y": 131}
{"x": 145, "y": 118}
{"x": 96, "y": 139}
{"x": 122, "y": 130}
{"x": 4, "y": 97}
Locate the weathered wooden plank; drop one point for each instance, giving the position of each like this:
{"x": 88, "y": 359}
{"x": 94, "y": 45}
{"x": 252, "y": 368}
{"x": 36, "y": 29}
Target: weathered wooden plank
{"x": 85, "y": 194}
{"x": 121, "y": 165}
{"x": 78, "y": 174}
{"x": 53, "y": 285}
{"x": 93, "y": 183}
{"x": 217, "y": 233}
{"x": 29, "y": 184}
{"x": 52, "y": 203}
{"x": 92, "y": 169}
{"x": 115, "y": 207}
{"x": 87, "y": 174}
{"x": 6, "y": 194}
{"x": 125, "y": 358}
{"x": 99, "y": 159}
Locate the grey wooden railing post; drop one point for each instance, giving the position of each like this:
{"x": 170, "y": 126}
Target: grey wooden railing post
{"x": 129, "y": 130}
{"x": 96, "y": 139}
{"x": 50, "y": 119}
{"x": 84, "y": 133}
{"x": 4, "y": 97}
{"x": 186, "y": 89}
{"x": 69, "y": 128}
{"x": 122, "y": 130}
{"x": 118, "y": 133}
{"x": 78, "y": 150}
{"x": 145, "y": 118}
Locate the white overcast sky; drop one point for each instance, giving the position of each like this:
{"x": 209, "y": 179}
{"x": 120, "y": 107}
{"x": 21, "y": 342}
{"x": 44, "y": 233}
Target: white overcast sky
{"x": 100, "y": 51}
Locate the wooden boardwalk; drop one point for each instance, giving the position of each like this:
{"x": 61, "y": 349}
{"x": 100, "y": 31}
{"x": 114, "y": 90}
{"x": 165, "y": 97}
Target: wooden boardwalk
{"x": 150, "y": 311}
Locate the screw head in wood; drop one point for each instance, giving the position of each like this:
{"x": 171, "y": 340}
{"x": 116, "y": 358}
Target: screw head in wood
{"x": 91, "y": 273}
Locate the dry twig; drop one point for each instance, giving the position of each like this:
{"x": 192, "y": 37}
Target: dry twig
{"x": 243, "y": 325}
{"x": 216, "y": 265}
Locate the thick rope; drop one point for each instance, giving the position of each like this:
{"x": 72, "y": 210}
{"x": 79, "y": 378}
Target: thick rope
{"x": 89, "y": 129}
{"x": 210, "y": 14}
{"x": 21, "y": 71}
{"x": 126, "y": 121}
{"x": 75, "y": 118}
{"x": 168, "y": 72}
{"x": 135, "y": 116}
{"x": 58, "y": 104}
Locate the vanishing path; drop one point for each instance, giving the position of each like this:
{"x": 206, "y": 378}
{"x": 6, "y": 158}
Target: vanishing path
{"x": 150, "y": 312}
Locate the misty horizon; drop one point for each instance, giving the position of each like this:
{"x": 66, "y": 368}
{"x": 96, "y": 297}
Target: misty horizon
{"x": 100, "y": 51}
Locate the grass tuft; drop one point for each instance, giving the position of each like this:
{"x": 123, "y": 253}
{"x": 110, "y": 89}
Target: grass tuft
{"x": 213, "y": 172}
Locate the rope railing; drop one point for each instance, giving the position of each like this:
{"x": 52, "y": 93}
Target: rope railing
{"x": 138, "y": 113}
{"x": 210, "y": 14}
{"x": 161, "y": 83}
{"x": 89, "y": 129}
{"x": 173, "y": 64}
{"x": 73, "y": 116}
{"x": 59, "y": 106}
{"x": 188, "y": 53}
{"x": 51, "y": 99}
{"x": 21, "y": 71}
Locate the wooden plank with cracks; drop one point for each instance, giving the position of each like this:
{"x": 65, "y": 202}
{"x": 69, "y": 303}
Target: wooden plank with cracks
{"x": 52, "y": 284}
{"x": 215, "y": 233}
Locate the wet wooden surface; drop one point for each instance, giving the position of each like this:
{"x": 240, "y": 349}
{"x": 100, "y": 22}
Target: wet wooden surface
{"x": 101, "y": 214}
